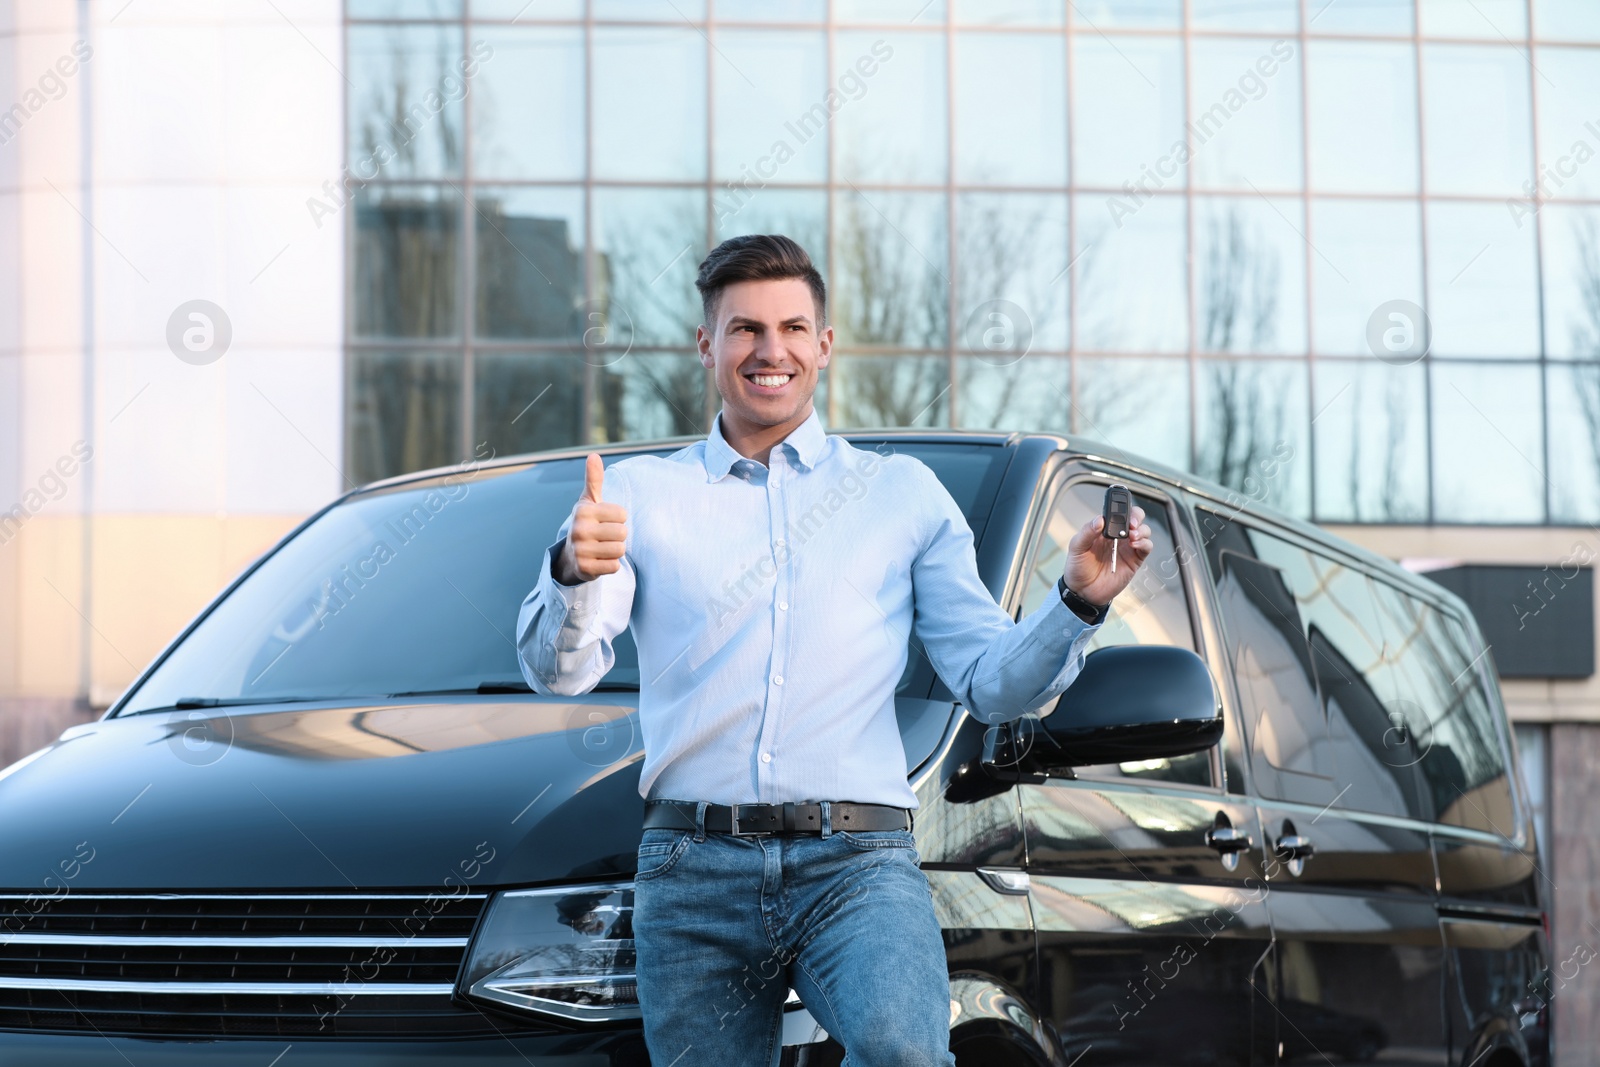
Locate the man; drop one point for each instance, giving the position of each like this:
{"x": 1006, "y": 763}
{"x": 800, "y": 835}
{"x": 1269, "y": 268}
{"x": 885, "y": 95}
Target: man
{"x": 772, "y": 575}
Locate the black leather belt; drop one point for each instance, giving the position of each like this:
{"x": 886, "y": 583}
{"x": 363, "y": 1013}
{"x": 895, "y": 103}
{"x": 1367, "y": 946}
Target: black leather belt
{"x": 795, "y": 817}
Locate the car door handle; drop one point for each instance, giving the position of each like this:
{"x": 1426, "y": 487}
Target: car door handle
{"x": 1227, "y": 840}
{"x": 1295, "y": 847}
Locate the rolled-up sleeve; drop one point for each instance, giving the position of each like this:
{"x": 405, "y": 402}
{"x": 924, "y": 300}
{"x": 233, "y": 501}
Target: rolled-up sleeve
{"x": 565, "y": 632}
{"x": 998, "y": 668}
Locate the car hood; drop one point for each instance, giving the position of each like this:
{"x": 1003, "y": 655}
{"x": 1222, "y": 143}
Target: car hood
{"x": 415, "y": 794}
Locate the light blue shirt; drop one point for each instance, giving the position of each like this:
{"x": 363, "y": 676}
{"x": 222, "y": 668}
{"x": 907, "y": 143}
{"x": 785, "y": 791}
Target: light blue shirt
{"x": 771, "y": 608}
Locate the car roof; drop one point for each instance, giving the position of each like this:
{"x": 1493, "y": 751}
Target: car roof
{"x": 1076, "y": 445}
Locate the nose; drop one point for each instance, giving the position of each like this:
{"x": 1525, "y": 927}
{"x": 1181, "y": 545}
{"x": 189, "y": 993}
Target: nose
{"x": 767, "y": 348}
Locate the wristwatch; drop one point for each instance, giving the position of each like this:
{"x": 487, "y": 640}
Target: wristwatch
{"x": 1093, "y": 614}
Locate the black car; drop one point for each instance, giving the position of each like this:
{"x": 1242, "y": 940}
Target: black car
{"x": 1276, "y": 818}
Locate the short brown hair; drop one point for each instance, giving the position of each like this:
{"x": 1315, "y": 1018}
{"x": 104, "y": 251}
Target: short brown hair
{"x": 754, "y": 258}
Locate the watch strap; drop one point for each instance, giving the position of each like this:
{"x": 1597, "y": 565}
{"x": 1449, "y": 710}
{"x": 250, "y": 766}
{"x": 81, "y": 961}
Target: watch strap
{"x": 1093, "y": 614}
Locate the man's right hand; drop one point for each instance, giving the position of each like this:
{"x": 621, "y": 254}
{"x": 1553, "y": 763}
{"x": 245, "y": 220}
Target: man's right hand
{"x": 598, "y": 536}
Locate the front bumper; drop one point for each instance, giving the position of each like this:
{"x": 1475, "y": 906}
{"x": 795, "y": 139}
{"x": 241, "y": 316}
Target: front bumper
{"x": 805, "y": 1043}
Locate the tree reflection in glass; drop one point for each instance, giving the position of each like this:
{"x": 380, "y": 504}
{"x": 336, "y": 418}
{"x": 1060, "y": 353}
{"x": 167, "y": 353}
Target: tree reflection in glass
{"x": 890, "y": 289}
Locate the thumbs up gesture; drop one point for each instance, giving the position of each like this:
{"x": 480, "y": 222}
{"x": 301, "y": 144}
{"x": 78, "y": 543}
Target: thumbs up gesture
{"x": 598, "y": 537}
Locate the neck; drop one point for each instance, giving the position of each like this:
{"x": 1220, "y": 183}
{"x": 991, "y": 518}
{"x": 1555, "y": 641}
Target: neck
{"x": 753, "y": 440}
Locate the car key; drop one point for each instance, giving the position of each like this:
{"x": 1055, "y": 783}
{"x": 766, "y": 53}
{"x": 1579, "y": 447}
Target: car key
{"x": 1118, "y": 508}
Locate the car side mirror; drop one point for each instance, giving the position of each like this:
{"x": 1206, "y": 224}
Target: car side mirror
{"x": 1131, "y": 702}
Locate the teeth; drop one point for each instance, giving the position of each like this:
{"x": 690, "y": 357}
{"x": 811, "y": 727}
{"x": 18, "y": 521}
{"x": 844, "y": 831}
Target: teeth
{"x": 770, "y": 380}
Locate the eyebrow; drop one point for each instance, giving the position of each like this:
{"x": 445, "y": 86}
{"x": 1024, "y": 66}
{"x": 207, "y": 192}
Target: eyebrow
{"x": 740, "y": 320}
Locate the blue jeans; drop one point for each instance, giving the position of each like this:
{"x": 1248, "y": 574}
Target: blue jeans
{"x": 726, "y": 925}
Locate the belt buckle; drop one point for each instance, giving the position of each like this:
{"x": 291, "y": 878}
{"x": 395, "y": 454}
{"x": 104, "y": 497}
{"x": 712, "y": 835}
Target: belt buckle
{"x": 734, "y": 825}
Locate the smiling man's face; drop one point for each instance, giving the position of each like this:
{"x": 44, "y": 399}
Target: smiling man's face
{"x": 767, "y": 349}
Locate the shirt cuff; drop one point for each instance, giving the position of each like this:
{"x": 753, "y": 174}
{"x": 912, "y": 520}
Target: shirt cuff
{"x": 578, "y": 601}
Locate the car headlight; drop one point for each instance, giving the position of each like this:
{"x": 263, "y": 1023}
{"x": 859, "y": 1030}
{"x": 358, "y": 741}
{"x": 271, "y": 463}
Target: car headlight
{"x": 565, "y": 951}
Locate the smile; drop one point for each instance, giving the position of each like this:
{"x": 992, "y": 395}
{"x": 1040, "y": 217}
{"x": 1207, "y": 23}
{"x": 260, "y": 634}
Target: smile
{"x": 770, "y": 381}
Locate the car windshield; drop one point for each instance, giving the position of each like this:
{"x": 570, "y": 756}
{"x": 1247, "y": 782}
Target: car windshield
{"x": 415, "y": 588}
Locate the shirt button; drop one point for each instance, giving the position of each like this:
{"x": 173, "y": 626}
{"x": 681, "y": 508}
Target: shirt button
{"x": 766, "y": 757}
{"x": 777, "y": 679}
{"x": 783, "y": 605}
{"x": 779, "y": 543}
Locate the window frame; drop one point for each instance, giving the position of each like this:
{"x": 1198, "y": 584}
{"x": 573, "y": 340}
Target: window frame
{"x": 1406, "y": 584}
{"x": 1062, "y": 477}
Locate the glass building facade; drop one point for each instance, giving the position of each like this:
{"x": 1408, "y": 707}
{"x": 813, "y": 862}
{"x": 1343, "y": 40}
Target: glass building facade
{"x": 1343, "y": 256}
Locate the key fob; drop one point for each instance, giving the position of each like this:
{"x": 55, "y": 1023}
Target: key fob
{"x": 1118, "y": 511}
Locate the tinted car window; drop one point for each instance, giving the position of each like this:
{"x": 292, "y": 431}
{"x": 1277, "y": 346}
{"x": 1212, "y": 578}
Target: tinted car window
{"x": 1374, "y": 758}
{"x": 1291, "y": 751}
{"x": 1153, "y": 610}
{"x": 1446, "y": 714}
{"x": 416, "y": 588}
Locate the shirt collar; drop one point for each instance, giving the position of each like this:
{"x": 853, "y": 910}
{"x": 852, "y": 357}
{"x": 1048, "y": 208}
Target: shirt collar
{"x": 804, "y": 442}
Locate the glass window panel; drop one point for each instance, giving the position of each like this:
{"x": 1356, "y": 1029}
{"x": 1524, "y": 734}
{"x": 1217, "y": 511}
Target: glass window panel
{"x": 771, "y": 109}
{"x": 1491, "y": 19}
{"x": 1153, "y": 610}
{"x": 898, "y": 12}
{"x": 1256, "y": 15}
{"x": 1097, "y": 14}
{"x": 405, "y": 115}
{"x": 891, "y": 127}
{"x": 1156, "y": 609}
{"x": 402, "y": 412}
{"x": 1569, "y": 129}
{"x": 1011, "y": 261}
{"x": 1128, "y": 111}
{"x": 801, "y": 214}
{"x": 1566, "y": 20}
{"x": 403, "y": 9}
{"x": 1246, "y": 108}
{"x": 1533, "y": 756}
{"x": 530, "y": 262}
{"x": 648, "y": 395}
{"x": 1004, "y": 137}
{"x": 1139, "y": 407}
{"x": 1291, "y": 751}
{"x": 1362, "y": 107}
{"x": 891, "y": 271}
{"x": 1345, "y": 635}
{"x": 1131, "y": 287}
{"x": 1387, "y": 17}
{"x": 1365, "y": 254}
{"x": 1371, "y": 430}
{"x": 527, "y": 107}
{"x": 527, "y": 401}
{"x": 649, "y": 244}
{"x": 889, "y": 390}
{"x": 1488, "y": 436}
{"x": 767, "y": 11}
{"x": 1483, "y": 282}
{"x": 405, "y": 256}
{"x": 1463, "y": 751}
{"x": 1573, "y": 393}
{"x": 649, "y": 127}
{"x": 1029, "y": 394}
{"x": 674, "y": 11}
{"x": 1249, "y": 275}
{"x": 1250, "y": 430}
{"x": 1477, "y": 117}
{"x": 527, "y": 10}
{"x": 1009, "y": 13}
{"x": 1572, "y": 281}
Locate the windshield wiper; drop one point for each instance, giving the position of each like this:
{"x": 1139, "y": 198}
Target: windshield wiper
{"x": 183, "y": 703}
{"x": 513, "y": 686}
{"x": 191, "y": 703}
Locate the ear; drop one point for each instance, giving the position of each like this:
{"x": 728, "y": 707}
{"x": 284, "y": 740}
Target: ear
{"x": 702, "y": 341}
{"x": 824, "y": 347}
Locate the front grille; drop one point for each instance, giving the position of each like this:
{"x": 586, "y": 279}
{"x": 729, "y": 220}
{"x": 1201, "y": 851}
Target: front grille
{"x": 286, "y": 965}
